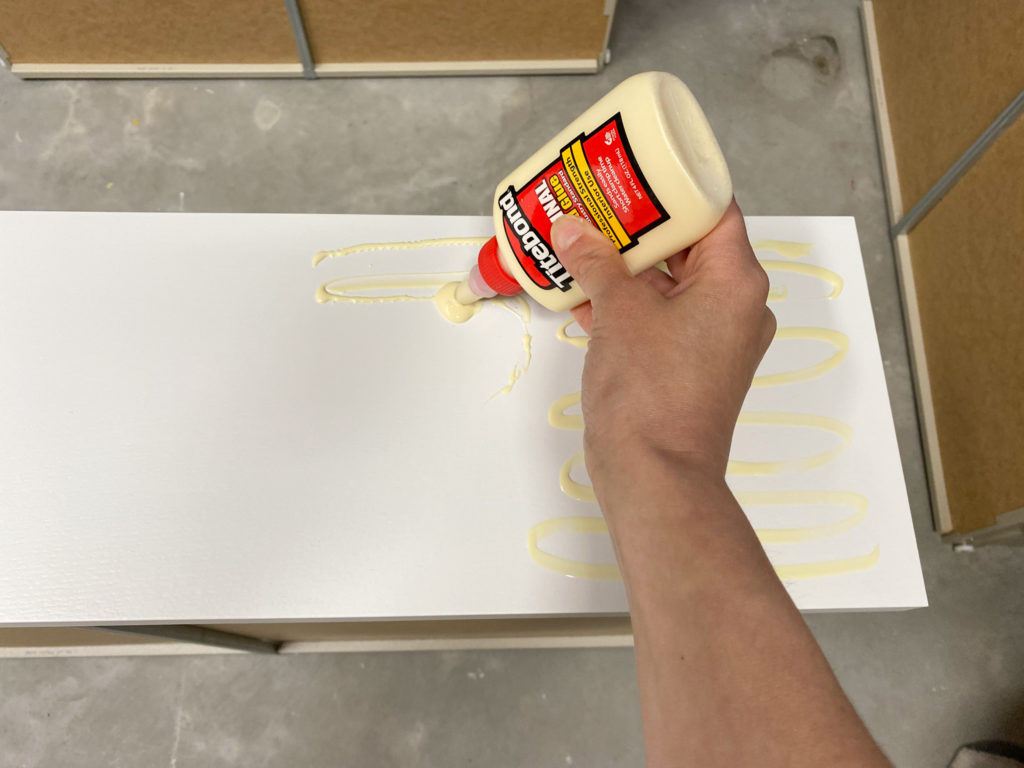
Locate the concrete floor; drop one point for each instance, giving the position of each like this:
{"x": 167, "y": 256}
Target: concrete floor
{"x": 798, "y": 142}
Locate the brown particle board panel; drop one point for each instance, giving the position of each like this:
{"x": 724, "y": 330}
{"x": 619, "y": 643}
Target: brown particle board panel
{"x": 580, "y": 631}
{"x": 347, "y": 31}
{"x": 575, "y": 632}
{"x": 146, "y": 32}
{"x": 967, "y": 260}
{"x": 949, "y": 67}
{"x": 65, "y": 638}
{"x": 22, "y": 637}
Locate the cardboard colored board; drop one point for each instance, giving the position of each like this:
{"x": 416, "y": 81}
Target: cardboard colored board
{"x": 967, "y": 259}
{"x": 241, "y": 38}
{"x": 345, "y": 31}
{"x": 146, "y": 32}
{"x": 949, "y": 69}
{"x": 32, "y": 638}
{"x": 187, "y": 436}
{"x": 333, "y": 637}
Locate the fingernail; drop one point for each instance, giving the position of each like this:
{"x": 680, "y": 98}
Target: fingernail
{"x": 565, "y": 231}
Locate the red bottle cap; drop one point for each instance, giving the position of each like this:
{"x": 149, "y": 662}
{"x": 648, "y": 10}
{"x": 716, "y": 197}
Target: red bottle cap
{"x": 493, "y": 273}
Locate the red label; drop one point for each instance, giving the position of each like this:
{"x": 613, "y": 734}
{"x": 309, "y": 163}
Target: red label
{"x": 596, "y": 177}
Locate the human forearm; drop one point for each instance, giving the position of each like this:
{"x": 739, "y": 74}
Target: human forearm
{"x": 729, "y": 673}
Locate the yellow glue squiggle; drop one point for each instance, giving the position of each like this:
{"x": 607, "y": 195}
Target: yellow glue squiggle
{"x": 808, "y": 270}
{"x": 562, "y": 334}
{"x": 559, "y": 419}
{"x": 816, "y": 570}
{"x": 519, "y": 307}
{"x": 785, "y": 248}
{"x": 570, "y": 487}
{"x": 610, "y": 571}
{"x": 804, "y": 463}
{"x": 582, "y": 492}
{"x": 563, "y": 565}
{"x": 839, "y": 340}
{"x": 557, "y": 416}
{"x": 406, "y": 245}
{"x": 440, "y": 289}
{"x": 855, "y": 501}
{"x": 437, "y": 287}
{"x": 440, "y": 285}
{"x": 455, "y": 310}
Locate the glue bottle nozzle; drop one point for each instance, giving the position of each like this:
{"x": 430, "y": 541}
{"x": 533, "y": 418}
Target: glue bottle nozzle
{"x": 471, "y": 290}
{"x": 487, "y": 278}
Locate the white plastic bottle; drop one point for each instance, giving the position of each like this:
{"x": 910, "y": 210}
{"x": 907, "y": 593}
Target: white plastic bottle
{"x": 641, "y": 164}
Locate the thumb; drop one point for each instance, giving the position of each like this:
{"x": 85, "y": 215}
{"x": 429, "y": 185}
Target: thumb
{"x": 590, "y": 257}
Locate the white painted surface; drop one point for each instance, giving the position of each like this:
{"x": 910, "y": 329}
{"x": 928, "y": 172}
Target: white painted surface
{"x": 186, "y": 436}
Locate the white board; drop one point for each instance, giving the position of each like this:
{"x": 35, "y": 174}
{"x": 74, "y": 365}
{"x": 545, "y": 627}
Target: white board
{"x": 187, "y": 436}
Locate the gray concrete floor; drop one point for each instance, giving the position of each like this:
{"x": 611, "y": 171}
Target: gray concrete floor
{"x": 798, "y": 141}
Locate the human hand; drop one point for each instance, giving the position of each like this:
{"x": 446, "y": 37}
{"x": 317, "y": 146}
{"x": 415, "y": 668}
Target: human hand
{"x": 671, "y": 356}
{"x": 669, "y": 363}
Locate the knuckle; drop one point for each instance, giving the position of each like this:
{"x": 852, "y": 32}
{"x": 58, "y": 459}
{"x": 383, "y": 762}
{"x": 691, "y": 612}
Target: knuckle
{"x": 759, "y": 282}
{"x": 769, "y": 326}
{"x": 752, "y": 286}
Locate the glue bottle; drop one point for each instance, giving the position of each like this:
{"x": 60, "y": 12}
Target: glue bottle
{"x": 642, "y": 165}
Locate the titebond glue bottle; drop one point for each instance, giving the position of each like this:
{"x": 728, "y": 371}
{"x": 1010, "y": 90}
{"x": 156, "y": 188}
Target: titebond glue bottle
{"x": 642, "y": 165}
